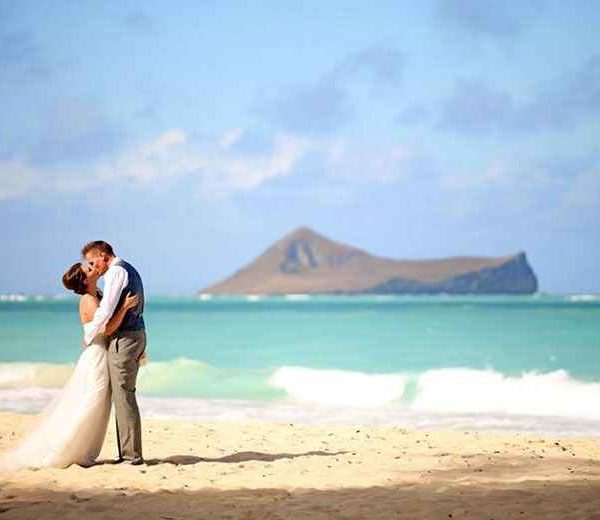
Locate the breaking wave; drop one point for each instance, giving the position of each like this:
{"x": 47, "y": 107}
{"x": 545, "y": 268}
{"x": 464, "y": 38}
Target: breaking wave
{"x": 446, "y": 390}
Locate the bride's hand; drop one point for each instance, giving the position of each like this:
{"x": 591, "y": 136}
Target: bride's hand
{"x": 131, "y": 301}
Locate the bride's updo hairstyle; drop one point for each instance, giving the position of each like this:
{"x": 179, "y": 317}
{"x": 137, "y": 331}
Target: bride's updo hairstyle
{"x": 75, "y": 280}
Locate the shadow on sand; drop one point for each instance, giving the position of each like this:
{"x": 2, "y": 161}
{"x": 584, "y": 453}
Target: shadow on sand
{"x": 579, "y": 499}
{"x": 242, "y": 456}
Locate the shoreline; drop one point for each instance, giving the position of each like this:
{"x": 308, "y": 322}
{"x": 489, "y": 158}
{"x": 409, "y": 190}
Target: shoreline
{"x": 30, "y": 401}
{"x": 279, "y": 470}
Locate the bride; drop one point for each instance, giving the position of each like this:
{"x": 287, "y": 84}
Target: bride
{"x": 72, "y": 428}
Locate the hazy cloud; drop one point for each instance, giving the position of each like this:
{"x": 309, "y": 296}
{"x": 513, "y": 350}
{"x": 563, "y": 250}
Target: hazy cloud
{"x": 75, "y": 130}
{"x": 325, "y": 105}
{"x": 148, "y": 111}
{"x": 495, "y": 18}
{"x": 552, "y": 191}
{"x": 317, "y": 108}
{"x": 413, "y": 115}
{"x": 474, "y": 107}
{"x": 248, "y": 142}
{"x": 582, "y": 191}
{"x": 16, "y": 179}
{"x": 367, "y": 163}
{"x": 564, "y": 100}
{"x": 21, "y": 58}
{"x": 139, "y": 19}
{"x": 379, "y": 64}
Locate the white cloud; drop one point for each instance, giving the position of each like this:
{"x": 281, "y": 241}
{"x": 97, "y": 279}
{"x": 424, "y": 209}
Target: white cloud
{"x": 229, "y": 138}
{"x": 524, "y": 187}
{"x": 16, "y": 178}
{"x": 247, "y": 172}
{"x": 365, "y": 163}
{"x": 496, "y": 173}
{"x": 217, "y": 169}
{"x": 167, "y": 156}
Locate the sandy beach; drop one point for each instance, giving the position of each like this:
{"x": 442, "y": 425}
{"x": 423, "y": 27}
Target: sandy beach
{"x": 265, "y": 470}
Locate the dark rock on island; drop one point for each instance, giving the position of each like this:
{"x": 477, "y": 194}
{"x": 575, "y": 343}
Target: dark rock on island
{"x": 306, "y": 262}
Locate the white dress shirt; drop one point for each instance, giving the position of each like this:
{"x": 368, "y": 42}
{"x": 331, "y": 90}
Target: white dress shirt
{"x": 115, "y": 280}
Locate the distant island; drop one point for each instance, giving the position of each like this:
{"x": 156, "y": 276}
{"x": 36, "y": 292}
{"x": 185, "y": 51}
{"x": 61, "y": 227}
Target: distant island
{"x": 305, "y": 262}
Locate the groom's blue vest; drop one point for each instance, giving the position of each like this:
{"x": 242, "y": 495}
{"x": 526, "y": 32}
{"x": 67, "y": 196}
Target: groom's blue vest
{"x": 133, "y": 319}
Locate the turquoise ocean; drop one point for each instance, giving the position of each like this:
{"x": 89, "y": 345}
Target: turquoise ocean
{"x": 497, "y": 363}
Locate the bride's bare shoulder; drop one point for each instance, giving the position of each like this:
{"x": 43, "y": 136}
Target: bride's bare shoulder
{"x": 87, "y": 306}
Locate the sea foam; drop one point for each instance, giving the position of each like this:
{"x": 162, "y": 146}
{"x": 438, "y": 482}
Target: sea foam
{"x": 453, "y": 390}
{"x": 43, "y": 375}
{"x": 338, "y": 387}
{"x": 437, "y": 391}
{"x": 485, "y": 391}
{"x": 583, "y": 298}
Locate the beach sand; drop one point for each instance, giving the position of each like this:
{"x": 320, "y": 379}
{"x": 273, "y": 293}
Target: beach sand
{"x": 260, "y": 470}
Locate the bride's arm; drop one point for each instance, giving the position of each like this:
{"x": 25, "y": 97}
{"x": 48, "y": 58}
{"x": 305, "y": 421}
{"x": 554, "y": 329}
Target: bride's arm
{"x": 115, "y": 321}
{"x": 88, "y": 305}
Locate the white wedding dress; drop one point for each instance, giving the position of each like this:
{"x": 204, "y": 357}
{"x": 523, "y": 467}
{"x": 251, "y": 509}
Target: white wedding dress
{"x": 72, "y": 428}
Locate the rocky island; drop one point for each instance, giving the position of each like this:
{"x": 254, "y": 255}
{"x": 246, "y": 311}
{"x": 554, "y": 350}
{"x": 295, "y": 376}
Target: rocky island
{"x": 306, "y": 262}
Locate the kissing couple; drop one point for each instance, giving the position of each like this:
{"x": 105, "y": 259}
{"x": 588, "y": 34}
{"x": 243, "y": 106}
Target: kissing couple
{"x": 72, "y": 428}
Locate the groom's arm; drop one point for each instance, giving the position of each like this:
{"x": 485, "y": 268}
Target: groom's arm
{"x": 115, "y": 281}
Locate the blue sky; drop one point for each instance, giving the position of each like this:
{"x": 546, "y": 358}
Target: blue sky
{"x": 192, "y": 138}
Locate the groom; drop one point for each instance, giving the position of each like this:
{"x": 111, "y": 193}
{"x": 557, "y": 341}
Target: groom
{"x": 125, "y": 346}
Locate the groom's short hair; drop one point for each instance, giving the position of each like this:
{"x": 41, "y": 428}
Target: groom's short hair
{"x": 98, "y": 245}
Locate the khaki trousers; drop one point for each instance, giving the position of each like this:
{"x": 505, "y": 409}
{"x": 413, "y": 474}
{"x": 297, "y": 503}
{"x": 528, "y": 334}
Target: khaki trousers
{"x": 124, "y": 350}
